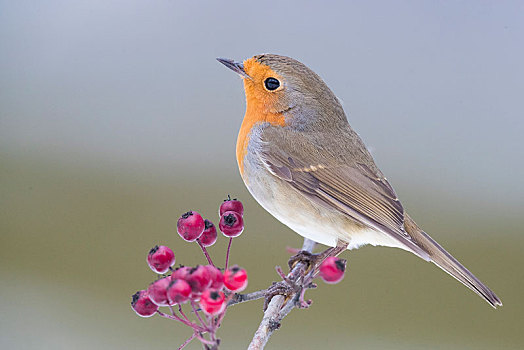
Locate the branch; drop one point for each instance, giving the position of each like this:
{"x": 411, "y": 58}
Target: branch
{"x": 276, "y": 310}
{"x": 241, "y": 298}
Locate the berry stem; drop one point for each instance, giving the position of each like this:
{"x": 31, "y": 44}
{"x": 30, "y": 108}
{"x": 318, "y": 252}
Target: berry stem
{"x": 204, "y": 250}
{"x": 182, "y": 313}
{"x": 204, "y": 340}
{"x": 211, "y": 323}
{"x": 214, "y": 326}
{"x": 228, "y": 249}
{"x": 187, "y": 341}
{"x": 221, "y": 316}
{"x": 195, "y": 310}
{"x": 172, "y": 310}
{"x": 187, "y": 323}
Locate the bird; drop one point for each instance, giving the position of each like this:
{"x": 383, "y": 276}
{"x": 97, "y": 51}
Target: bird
{"x": 303, "y": 163}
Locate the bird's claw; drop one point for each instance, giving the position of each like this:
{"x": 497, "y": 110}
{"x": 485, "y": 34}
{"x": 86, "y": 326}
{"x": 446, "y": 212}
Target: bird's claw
{"x": 279, "y": 288}
{"x": 309, "y": 258}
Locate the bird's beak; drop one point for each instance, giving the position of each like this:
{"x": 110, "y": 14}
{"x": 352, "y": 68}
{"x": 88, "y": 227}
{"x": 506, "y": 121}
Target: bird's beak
{"x": 236, "y": 67}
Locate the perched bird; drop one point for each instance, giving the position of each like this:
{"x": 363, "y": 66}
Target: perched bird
{"x": 302, "y": 161}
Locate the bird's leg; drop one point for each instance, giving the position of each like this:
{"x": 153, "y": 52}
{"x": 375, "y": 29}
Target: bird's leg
{"x": 314, "y": 260}
{"x": 303, "y": 256}
{"x": 289, "y": 289}
{"x": 296, "y": 283}
{"x": 312, "y": 271}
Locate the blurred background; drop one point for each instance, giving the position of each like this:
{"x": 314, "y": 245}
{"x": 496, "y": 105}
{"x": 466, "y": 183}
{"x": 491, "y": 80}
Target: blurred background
{"x": 115, "y": 118}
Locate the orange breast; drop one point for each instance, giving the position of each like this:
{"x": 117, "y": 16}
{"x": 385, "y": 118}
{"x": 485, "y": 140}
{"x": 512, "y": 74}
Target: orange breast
{"x": 258, "y": 104}
{"x": 255, "y": 114}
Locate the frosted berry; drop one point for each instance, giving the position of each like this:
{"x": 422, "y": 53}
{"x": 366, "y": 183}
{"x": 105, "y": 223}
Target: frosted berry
{"x": 181, "y": 272}
{"x": 231, "y": 205}
{"x": 178, "y": 292}
{"x": 158, "y": 291}
{"x": 231, "y": 224}
{"x": 332, "y": 269}
{"x": 209, "y": 236}
{"x": 199, "y": 279}
{"x": 212, "y": 302}
{"x": 235, "y": 279}
{"x": 160, "y": 259}
{"x": 143, "y": 305}
{"x": 216, "y": 276}
{"x": 190, "y": 226}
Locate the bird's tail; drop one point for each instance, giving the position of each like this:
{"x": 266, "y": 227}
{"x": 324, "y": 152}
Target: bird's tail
{"x": 440, "y": 257}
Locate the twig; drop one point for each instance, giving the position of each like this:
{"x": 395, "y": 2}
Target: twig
{"x": 241, "y": 298}
{"x": 275, "y": 311}
{"x": 204, "y": 340}
{"x": 268, "y": 324}
{"x": 289, "y": 306}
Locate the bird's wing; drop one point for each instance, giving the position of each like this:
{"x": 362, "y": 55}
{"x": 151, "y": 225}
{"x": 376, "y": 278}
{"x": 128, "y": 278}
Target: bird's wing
{"x": 352, "y": 189}
{"x": 346, "y": 184}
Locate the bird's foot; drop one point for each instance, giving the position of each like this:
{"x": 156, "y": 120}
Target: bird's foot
{"x": 284, "y": 288}
{"x": 295, "y": 287}
{"x": 303, "y": 256}
{"x": 289, "y": 290}
{"x": 313, "y": 261}
{"x": 296, "y": 283}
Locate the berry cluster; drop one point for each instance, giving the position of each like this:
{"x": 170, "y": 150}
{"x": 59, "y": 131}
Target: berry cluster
{"x": 205, "y": 288}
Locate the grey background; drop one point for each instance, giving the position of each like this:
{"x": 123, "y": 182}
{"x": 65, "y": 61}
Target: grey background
{"x": 115, "y": 118}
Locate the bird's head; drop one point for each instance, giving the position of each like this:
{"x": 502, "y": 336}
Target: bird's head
{"x": 281, "y": 85}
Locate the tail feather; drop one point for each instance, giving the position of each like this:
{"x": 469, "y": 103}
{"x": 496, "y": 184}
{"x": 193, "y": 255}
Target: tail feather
{"x": 440, "y": 257}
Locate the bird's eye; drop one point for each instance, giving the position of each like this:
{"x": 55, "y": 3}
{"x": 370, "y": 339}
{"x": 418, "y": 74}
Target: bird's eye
{"x": 271, "y": 84}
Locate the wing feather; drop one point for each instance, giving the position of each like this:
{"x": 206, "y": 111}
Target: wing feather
{"x": 352, "y": 189}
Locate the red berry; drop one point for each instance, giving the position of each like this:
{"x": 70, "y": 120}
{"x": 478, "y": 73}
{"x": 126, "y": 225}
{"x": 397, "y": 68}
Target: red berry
{"x": 158, "y": 291}
{"x": 231, "y": 205}
{"x": 178, "y": 292}
{"x": 160, "y": 259}
{"x": 231, "y": 224}
{"x": 209, "y": 237}
{"x": 199, "y": 279}
{"x": 190, "y": 226}
{"x": 235, "y": 279}
{"x": 332, "y": 269}
{"x": 216, "y": 276}
{"x": 143, "y": 305}
{"x": 181, "y": 273}
{"x": 213, "y": 302}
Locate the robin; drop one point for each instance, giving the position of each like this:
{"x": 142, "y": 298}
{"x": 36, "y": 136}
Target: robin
{"x": 302, "y": 161}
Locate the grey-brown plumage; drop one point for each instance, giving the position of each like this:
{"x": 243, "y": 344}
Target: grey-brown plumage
{"x": 350, "y": 183}
{"x": 440, "y": 257}
{"x": 315, "y": 174}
